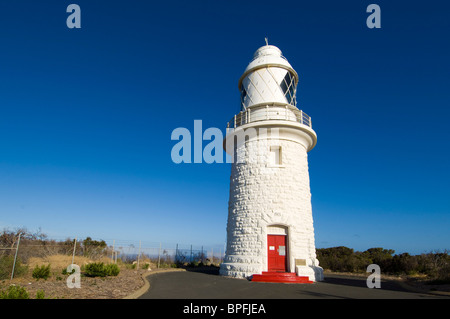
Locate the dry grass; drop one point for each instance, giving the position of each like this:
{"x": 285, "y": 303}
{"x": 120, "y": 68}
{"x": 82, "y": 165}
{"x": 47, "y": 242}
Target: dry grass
{"x": 111, "y": 287}
{"x": 62, "y": 261}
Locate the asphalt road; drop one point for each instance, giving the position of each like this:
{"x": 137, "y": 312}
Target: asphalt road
{"x": 209, "y": 285}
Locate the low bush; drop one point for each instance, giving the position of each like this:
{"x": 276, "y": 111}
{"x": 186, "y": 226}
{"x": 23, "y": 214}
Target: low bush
{"x": 18, "y": 292}
{"x": 40, "y": 294}
{"x": 95, "y": 270}
{"x": 65, "y": 272}
{"x": 42, "y": 272}
{"x": 6, "y": 265}
{"x": 101, "y": 270}
{"x": 112, "y": 270}
{"x": 14, "y": 292}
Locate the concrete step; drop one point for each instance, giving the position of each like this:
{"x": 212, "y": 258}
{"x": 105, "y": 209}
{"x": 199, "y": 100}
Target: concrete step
{"x": 288, "y": 277}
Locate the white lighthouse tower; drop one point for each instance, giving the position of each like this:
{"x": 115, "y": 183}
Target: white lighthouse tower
{"x": 270, "y": 234}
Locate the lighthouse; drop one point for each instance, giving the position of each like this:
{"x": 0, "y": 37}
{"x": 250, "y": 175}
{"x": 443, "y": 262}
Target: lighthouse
{"x": 270, "y": 234}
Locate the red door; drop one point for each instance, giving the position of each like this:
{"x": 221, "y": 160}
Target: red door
{"x": 276, "y": 252}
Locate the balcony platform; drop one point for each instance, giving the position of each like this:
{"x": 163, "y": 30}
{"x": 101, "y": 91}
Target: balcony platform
{"x": 272, "y": 111}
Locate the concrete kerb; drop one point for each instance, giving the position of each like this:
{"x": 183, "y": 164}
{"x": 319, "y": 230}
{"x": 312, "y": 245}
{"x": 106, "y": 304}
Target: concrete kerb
{"x": 146, "y": 286}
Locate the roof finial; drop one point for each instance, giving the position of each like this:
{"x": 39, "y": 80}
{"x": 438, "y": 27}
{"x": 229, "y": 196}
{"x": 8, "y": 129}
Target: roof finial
{"x": 267, "y": 40}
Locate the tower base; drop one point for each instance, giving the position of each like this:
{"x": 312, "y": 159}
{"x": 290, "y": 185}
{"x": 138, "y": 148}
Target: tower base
{"x": 239, "y": 270}
{"x": 314, "y": 273}
{"x": 311, "y": 273}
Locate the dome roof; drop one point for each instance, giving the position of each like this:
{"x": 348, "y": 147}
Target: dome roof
{"x": 267, "y": 50}
{"x": 265, "y": 56}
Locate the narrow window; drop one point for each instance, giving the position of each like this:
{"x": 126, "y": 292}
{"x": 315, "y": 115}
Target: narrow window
{"x": 275, "y": 155}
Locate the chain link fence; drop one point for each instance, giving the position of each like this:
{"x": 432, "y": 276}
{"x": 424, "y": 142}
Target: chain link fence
{"x": 20, "y": 251}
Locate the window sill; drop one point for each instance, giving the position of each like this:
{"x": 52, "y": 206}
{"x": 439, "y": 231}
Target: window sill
{"x": 276, "y": 166}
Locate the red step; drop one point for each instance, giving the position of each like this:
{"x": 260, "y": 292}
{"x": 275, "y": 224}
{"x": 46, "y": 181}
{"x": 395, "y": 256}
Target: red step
{"x": 288, "y": 277}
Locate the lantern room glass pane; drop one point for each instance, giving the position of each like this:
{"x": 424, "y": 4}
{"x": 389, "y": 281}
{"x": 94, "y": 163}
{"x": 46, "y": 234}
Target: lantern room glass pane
{"x": 287, "y": 85}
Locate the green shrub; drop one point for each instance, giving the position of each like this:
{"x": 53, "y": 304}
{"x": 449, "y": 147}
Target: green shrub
{"x": 112, "y": 270}
{"x": 101, "y": 270}
{"x": 65, "y": 272}
{"x": 40, "y": 294}
{"x": 6, "y": 266}
{"x": 41, "y": 272}
{"x": 95, "y": 270}
{"x": 14, "y": 292}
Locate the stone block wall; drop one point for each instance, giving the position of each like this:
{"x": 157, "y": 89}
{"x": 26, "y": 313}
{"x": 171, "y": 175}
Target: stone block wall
{"x": 262, "y": 194}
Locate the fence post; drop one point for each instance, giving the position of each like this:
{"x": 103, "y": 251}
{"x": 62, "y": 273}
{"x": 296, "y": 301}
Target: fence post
{"x": 139, "y": 255}
{"x": 159, "y": 254}
{"x": 176, "y": 254}
{"x": 112, "y": 253}
{"x": 15, "y": 257}
{"x": 74, "y": 247}
{"x": 190, "y": 259}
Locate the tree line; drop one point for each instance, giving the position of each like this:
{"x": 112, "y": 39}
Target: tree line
{"x": 435, "y": 265}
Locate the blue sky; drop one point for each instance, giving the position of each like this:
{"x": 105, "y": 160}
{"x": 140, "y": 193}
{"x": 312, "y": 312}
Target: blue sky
{"x": 86, "y": 116}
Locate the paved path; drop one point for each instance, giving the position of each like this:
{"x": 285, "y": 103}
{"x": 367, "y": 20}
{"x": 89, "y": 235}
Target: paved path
{"x": 209, "y": 285}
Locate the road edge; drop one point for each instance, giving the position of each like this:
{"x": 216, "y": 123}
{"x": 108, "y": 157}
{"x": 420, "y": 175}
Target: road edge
{"x": 146, "y": 286}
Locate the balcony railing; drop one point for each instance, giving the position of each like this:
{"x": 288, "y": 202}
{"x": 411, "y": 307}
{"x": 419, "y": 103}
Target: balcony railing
{"x": 269, "y": 112}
